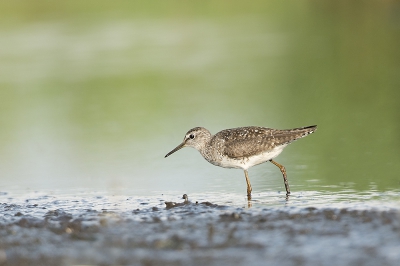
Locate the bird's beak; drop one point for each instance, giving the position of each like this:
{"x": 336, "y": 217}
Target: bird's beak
{"x": 180, "y": 146}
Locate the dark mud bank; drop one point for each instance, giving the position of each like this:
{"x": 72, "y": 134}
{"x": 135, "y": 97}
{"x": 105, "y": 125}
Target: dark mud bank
{"x": 68, "y": 232}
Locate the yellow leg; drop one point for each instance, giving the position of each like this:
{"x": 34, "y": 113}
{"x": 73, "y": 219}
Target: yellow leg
{"x": 248, "y": 185}
{"x": 283, "y": 170}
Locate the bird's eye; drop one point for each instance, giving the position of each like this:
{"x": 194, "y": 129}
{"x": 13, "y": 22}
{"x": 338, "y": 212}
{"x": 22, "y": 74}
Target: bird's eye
{"x": 191, "y": 136}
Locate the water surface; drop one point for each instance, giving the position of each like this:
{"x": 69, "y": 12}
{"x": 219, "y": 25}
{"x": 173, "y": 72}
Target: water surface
{"x": 92, "y": 97}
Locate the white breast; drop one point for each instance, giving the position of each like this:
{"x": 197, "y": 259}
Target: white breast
{"x": 246, "y": 163}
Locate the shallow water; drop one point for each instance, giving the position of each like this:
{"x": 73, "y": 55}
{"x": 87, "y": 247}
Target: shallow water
{"x": 93, "y": 96}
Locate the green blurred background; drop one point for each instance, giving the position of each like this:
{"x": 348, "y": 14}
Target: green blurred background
{"x": 93, "y": 94}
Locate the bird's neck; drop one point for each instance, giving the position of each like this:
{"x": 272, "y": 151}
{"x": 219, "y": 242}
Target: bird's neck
{"x": 206, "y": 149}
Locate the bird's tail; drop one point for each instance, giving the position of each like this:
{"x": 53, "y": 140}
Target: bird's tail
{"x": 301, "y": 132}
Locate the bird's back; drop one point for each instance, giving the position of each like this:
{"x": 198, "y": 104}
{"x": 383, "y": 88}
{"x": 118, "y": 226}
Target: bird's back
{"x": 245, "y": 142}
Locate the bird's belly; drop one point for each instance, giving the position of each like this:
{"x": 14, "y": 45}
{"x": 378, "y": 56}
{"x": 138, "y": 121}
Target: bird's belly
{"x": 247, "y": 162}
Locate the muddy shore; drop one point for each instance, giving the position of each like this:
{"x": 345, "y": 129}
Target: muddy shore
{"x": 98, "y": 231}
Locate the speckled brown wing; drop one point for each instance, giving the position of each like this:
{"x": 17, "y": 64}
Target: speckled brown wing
{"x": 248, "y": 141}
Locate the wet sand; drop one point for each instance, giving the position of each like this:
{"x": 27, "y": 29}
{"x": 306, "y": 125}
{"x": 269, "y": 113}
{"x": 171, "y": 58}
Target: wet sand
{"x": 97, "y": 230}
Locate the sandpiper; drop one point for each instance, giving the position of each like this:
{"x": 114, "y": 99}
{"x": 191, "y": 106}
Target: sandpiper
{"x": 243, "y": 147}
